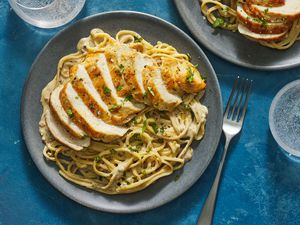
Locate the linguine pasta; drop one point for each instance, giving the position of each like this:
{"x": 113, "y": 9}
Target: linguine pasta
{"x": 225, "y": 12}
{"x": 156, "y": 144}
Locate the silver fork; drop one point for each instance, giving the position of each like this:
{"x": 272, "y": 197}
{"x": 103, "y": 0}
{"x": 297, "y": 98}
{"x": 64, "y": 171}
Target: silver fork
{"x": 232, "y": 124}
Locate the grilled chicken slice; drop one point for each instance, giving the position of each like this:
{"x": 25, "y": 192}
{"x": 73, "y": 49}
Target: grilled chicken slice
{"x": 121, "y": 106}
{"x": 96, "y": 128}
{"x": 267, "y": 3}
{"x": 60, "y": 114}
{"x": 157, "y": 91}
{"x": 116, "y": 70}
{"x": 180, "y": 77}
{"x": 133, "y": 64}
{"x": 290, "y": 9}
{"x": 262, "y": 37}
{"x": 83, "y": 85}
{"x": 259, "y": 24}
{"x": 61, "y": 135}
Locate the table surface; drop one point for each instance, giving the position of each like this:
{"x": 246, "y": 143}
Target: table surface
{"x": 260, "y": 183}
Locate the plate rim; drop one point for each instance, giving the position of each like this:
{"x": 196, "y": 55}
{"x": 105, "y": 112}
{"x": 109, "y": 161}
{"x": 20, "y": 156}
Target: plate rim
{"x": 229, "y": 59}
{"x": 25, "y": 90}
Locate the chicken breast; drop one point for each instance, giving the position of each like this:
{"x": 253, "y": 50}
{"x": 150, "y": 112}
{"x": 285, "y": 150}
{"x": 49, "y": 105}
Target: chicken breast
{"x": 126, "y": 107}
{"x": 108, "y": 89}
{"x": 259, "y": 24}
{"x": 60, "y": 114}
{"x": 96, "y": 128}
{"x": 290, "y": 9}
{"x": 83, "y": 85}
{"x": 158, "y": 93}
{"x": 62, "y": 136}
{"x": 263, "y": 37}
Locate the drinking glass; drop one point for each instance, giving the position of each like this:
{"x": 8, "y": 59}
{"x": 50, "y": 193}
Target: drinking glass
{"x": 47, "y": 13}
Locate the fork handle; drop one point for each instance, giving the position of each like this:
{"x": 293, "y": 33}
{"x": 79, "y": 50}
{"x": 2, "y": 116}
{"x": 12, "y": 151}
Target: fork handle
{"x": 209, "y": 206}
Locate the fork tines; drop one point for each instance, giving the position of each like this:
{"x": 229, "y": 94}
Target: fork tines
{"x": 240, "y": 93}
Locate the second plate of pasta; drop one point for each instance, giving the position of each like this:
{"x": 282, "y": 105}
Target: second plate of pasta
{"x": 219, "y": 26}
{"x": 115, "y": 120}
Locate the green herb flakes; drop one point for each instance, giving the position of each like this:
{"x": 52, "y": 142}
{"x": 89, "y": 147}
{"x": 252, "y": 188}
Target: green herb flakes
{"x": 219, "y": 22}
{"x": 137, "y": 39}
{"x": 119, "y": 88}
{"x": 155, "y": 128}
{"x": 144, "y": 126}
{"x": 121, "y": 69}
{"x": 189, "y": 56}
{"x": 98, "y": 158}
{"x": 150, "y": 91}
{"x": 114, "y": 108}
{"x": 162, "y": 130}
{"x": 113, "y": 151}
{"x": 190, "y": 75}
{"x": 107, "y": 90}
{"x": 70, "y": 113}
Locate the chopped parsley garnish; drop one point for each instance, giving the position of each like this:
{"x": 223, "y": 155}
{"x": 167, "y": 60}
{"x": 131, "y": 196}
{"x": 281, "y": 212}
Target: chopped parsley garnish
{"x": 76, "y": 97}
{"x": 262, "y": 21}
{"x": 119, "y": 88}
{"x": 70, "y": 113}
{"x": 266, "y": 10}
{"x": 186, "y": 106}
{"x": 144, "y": 126}
{"x": 133, "y": 149}
{"x": 128, "y": 98}
{"x": 204, "y": 78}
{"x": 107, "y": 90}
{"x": 155, "y": 128}
{"x": 226, "y": 8}
{"x": 177, "y": 177}
{"x": 150, "y": 91}
{"x": 98, "y": 158}
{"x": 145, "y": 94}
{"x": 219, "y": 22}
{"x": 114, "y": 107}
{"x": 160, "y": 140}
{"x": 137, "y": 39}
{"x": 189, "y": 56}
{"x": 121, "y": 69}
{"x": 113, "y": 151}
{"x": 190, "y": 75}
{"x": 91, "y": 106}
{"x": 162, "y": 130}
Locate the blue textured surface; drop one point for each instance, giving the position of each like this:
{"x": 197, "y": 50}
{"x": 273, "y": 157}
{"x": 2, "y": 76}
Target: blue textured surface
{"x": 261, "y": 185}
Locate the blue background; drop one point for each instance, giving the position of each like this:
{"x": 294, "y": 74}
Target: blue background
{"x": 260, "y": 185}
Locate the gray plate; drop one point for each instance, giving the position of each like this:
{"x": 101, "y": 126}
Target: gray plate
{"x": 232, "y": 46}
{"x": 152, "y": 29}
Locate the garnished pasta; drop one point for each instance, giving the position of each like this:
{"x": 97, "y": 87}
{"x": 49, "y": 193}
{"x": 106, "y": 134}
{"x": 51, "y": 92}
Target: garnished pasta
{"x": 157, "y": 142}
{"x": 225, "y": 15}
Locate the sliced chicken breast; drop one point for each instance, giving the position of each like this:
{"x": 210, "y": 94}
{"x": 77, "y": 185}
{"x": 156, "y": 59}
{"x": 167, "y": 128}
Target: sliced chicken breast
{"x": 259, "y": 24}
{"x": 127, "y": 107}
{"x": 290, "y": 9}
{"x": 117, "y": 70}
{"x": 62, "y": 136}
{"x": 81, "y": 115}
{"x": 62, "y": 116}
{"x": 133, "y": 64}
{"x": 83, "y": 85}
{"x": 263, "y": 37}
{"x": 268, "y": 3}
{"x": 158, "y": 93}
